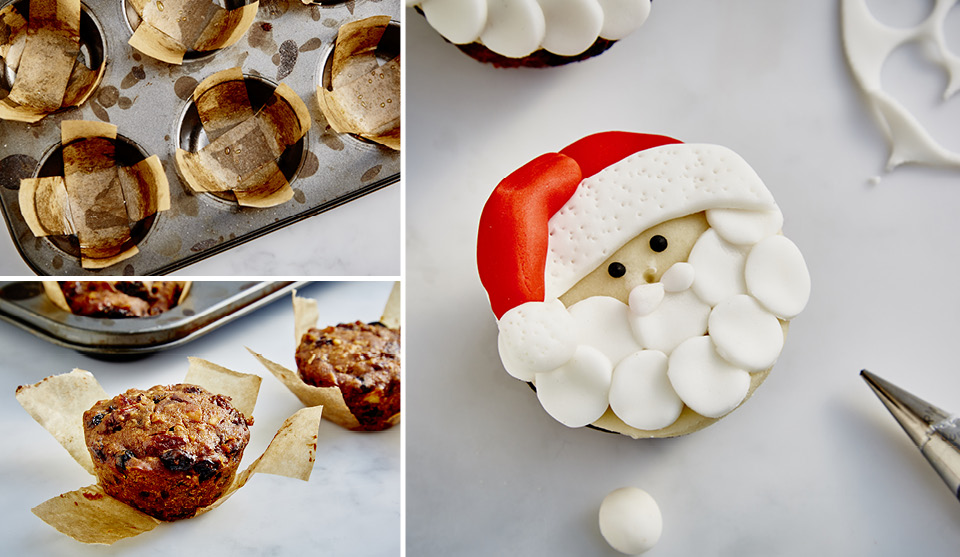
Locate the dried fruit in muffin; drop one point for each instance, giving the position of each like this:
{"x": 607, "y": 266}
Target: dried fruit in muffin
{"x": 169, "y": 450}
{"x": 117, "y": 299}
{"x": 363, "y": 361}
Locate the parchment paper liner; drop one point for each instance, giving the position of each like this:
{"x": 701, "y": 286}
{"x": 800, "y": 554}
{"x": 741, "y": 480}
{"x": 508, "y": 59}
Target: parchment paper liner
{"x": 88, "y": 514}
{"x": 94, "y": 200}
{"x": 364, "y": 97}
{"x": 244, "y": 146}
{"x": 52, "y": 289}
{"x": 167, "y": 33}
{"x": 44, "y": 53}
{"x": 335, "y": 408}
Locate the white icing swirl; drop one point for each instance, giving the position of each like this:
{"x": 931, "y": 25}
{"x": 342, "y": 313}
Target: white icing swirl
{"x": 518, "y": 28}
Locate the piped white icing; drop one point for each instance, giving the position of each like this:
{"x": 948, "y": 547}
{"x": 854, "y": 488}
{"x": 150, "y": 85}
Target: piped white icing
{"x": 517, "y": 28}
{"x": 577, "y": 393}
{"x": 641, "y": 394}
{"x": 630, "y": 520}
{"x": 708, "y": 384}
{"x": 719, "y": 268}
{"x": 647, "y": 188}
{"x": 745, "y": 334}
{"x": 777, "y": 276}
{"x": 868, "y": 44}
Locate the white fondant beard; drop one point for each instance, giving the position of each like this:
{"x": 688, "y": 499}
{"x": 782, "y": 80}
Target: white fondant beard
{"x": 669, "y": 348}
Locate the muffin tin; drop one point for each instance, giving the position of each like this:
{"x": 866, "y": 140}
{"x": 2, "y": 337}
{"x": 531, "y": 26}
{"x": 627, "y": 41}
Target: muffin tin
{"x": 149, "y": 101}
{"x": 208, "y": 306}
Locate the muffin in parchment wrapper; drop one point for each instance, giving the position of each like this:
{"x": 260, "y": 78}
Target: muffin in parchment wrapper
{"x": 89, "y": 514}
{"x": 376, "y": 405}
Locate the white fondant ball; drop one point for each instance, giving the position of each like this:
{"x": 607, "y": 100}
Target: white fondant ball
{"x": 630, "y": 520}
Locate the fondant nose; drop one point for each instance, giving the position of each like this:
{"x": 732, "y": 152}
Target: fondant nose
{"x": 650, "y": 275}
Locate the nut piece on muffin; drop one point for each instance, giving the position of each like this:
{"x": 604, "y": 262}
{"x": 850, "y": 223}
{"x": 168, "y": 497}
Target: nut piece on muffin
{"x": 363, "y": 360}
{"x": 169, "y": 450}
{"x": 116, "y": 299}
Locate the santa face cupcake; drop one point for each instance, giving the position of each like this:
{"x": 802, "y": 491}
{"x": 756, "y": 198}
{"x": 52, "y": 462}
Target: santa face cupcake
{"x": 641, "y": 284}
{"x": 533, "y": 33}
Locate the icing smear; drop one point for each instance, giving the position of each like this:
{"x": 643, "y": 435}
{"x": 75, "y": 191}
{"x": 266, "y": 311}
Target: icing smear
{"x": 868, "y": 44}
{"x": 518, "y": 28}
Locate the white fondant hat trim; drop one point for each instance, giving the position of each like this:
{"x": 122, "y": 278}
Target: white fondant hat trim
{"x": 643, "y": 190}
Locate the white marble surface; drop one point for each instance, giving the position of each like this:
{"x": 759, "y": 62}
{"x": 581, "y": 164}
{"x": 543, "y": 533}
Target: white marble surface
{"x": 813, "y": 464}
{"x": 350, "y": 506}
{"x": 330, "y": 244}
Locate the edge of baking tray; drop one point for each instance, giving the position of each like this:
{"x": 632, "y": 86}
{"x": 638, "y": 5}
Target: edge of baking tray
{"x": 233, "y": 242}
{"x": 255, "y": 302}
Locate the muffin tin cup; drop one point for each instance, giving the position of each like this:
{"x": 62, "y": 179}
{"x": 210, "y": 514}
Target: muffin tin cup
{"x": 148, "y": 101}
{"x": 93, "y": 49}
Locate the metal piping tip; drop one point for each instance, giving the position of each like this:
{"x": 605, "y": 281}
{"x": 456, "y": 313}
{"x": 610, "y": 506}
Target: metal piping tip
{"x": 935, "y": 432}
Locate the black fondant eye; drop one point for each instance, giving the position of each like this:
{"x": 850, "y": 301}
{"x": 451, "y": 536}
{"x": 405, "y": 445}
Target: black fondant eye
{"x": 658, "y": 243}
{"x": 616, "y": 269}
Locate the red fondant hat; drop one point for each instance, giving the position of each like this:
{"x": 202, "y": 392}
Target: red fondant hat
{"x": 513, "y": 237}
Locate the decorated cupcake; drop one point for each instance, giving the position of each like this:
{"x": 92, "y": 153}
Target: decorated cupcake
{"x": 642, "y": 285}
{"x": 533, "y": 33}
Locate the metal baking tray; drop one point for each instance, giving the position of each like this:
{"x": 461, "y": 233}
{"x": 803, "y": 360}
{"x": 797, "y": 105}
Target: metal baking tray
{"x": 147, "y": 100}
{"x": 209, "y": 305}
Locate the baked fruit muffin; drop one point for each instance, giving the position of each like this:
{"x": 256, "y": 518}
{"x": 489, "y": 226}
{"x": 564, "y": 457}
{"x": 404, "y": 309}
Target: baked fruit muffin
{"x": 641, "y": 284}
{"x": 363, "y": 360}
{"x": 168, "y": 451}
{"x": 116, "y": 299}
{"x": 533, "y": 33}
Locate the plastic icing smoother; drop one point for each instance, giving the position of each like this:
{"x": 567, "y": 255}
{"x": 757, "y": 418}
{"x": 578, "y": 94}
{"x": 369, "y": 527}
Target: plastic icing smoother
{"x": 868, "y": 44}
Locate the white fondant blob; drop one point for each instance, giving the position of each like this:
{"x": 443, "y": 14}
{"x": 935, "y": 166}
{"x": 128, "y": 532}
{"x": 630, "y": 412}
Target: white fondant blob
{"x": 644, "y": 298}
{"x": 777, "y": 276}
{"x": 745, "y": 227}
{"x": 603, "y": 323}
{"x": 681, "y": 315}
{"x": 459, "y": 21}
{"x": 577, "y": 393}
{"x": 678, "y": 277}
{"x": 630, "y": 520}
{"x": 719, "y": 268}
{"x": 707, "y": 383}
{"x": 571, "y": 25}
{"x": 745, "y": 334}
{"x": 627, "y": 16}
{"x": 514, "y": 28}
{"x": 641, "y": 394}
{"x": 536, "y": 337}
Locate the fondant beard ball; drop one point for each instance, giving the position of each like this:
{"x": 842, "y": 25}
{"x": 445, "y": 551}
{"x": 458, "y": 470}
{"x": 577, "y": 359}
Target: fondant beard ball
{"x": 641, "y": 284}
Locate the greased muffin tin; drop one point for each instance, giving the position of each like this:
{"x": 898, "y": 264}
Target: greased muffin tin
{"x": 149, "y": 102}
{"x": 208, "y": 306}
